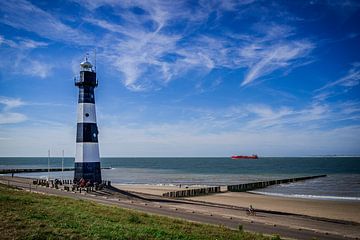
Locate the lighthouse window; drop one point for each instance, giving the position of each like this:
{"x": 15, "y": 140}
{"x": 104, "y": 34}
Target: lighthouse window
{"x": 92, "y": 95}
{"x": 94, "y": 134}
{"x": 87, "y": 115}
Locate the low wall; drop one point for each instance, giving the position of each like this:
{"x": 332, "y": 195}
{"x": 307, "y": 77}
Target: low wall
{"x": 192, "y": 192}
{"x": 257, "y": 185}
{"x": 26, "y": 170}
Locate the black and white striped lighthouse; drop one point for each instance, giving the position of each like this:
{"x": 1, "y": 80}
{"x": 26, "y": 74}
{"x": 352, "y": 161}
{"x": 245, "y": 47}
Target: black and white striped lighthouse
{"x": 87, "y": 159}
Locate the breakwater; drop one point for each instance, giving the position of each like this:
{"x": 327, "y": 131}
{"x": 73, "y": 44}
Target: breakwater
{"x": 29, "y": 170}
{"x": 235, "y": 188}
{"x": 192, "y": 192}
{"x": 257, "y": 185}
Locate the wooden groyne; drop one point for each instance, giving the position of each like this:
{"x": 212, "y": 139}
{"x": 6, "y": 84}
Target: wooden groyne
{"x": 192, "y": 192}
{"x": 257, "y": 185}
{"x": 29, "y": 170}
{"x": 234, "y": 188}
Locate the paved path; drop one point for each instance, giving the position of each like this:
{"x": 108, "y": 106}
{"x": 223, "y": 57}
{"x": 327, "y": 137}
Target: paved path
{"x": 203, "y": 213}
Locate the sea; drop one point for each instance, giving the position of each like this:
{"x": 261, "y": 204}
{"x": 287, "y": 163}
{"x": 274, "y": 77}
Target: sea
{"x": 342, "y": 181}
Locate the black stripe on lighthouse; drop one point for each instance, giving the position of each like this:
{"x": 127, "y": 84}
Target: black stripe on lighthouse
{"x": 88, "y": 171}
{"x": 86, "y": 94}
{"x": 87, "y": 132}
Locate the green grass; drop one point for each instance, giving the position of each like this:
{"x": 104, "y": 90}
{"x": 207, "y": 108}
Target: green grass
{"x": 26, "y": 215}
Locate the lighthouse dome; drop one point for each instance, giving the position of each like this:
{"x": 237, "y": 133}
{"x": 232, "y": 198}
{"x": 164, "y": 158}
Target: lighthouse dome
{"x": 86, "y": 64}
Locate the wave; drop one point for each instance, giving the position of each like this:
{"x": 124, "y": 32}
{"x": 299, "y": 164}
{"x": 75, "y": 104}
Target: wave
{"x": 307, "y": 196}
{"x": 148, "y": 184}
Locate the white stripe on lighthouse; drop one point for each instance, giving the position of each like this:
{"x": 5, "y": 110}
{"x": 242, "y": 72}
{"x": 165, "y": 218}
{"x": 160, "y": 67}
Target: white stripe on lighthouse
{"x": 87, "y": 152}
{"x": 86, "y": 113}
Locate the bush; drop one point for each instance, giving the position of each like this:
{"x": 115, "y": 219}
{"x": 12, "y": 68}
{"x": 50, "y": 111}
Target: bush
{"x": 276, "y": 237}
{"x": 134, "y": 219}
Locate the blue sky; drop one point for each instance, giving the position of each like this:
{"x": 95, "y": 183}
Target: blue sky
{"x": 183, "y": 78}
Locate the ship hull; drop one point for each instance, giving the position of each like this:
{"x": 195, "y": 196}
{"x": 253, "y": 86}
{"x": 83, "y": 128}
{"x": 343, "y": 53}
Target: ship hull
{"x": 245, "y": 157}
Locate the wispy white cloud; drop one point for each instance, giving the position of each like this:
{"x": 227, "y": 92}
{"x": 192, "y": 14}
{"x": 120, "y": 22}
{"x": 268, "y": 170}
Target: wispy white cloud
{"x": 282, "y": 130}
{"x": 19, "y": 141}
{"x": 154, "y": 55}
{"x": 315, "y": 116}
{"x": 21, "y": 64}
{"x": 276, "y": 57}
{"x": 22, "y": 43}
{"x": 159, "y": 41}
{"x": 31, "y": 44}
{"x": 20, "y": 61}
{"x": 10, "y": 103}
{"x": 11, "y": 117}
{"x": 252, "y": 117}
{"x": 206, "y": 135}
{"x": 260, "y": 117}
{"x": 339, "y": 86}
{"x": 11, "y": 108}
{"x": 344, "y": 9}
{"x": 140, "y": 52}
{"x": 350, "y": 80}
{"x": 182, "y": 139}
{"x": 8, "y": 117}
{"x": 231, "y": 5}
{"x": 24, "y": 15}
{"x": 153, "y": 42}
{"x": 37, "y": 68}
{"x": 91, "y": 5}
{"x": 173, "y": 139}
{"x": 320, "y": 97}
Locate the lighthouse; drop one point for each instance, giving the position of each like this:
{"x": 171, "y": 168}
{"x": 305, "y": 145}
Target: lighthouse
{"x": 87, "y": 159}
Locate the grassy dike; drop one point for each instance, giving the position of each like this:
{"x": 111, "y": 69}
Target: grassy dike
{"x": 25, "y": 215}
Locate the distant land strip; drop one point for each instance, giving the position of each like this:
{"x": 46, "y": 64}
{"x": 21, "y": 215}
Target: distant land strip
{"x": 27, "y": 170}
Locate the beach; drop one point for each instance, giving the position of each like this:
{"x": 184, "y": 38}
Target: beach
{"x": 331, "y": 209}
{"x": 336, "y": 216}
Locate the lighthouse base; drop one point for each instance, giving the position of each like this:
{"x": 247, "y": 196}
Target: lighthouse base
{"x": 89, "y": 171}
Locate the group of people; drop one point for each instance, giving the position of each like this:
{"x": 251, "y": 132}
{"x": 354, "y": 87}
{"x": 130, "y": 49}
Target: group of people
{"x": 87, "y": 184}
{"x": 83, "y": 183}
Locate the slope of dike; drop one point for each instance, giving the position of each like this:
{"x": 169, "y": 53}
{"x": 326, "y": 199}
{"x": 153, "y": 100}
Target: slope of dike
{"x": 287, "y": 225}
{"x": 34, "y": 216}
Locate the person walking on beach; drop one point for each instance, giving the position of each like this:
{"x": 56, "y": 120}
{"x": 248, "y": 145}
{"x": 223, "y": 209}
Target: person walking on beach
{"x": 251, "y": 211}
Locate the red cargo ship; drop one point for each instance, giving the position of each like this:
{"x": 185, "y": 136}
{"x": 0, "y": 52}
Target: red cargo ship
{"x": 244, "y": 157}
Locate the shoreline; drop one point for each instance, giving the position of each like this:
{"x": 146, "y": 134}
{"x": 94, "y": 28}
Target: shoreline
{"x": 307, "y": 196}
{"x": 175, "y": 187}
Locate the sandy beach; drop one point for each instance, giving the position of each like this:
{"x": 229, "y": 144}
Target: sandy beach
{"x": 330, "y": 209}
